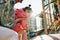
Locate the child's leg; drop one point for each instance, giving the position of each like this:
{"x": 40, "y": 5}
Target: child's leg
{"x": 25, "y": 35}
{"x": 20, "y": 36}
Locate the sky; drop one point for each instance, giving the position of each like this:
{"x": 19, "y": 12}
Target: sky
{"x": 36, "y": 6}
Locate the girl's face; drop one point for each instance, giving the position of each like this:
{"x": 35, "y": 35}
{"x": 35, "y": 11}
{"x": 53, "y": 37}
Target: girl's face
{"x": 27, "y": 13}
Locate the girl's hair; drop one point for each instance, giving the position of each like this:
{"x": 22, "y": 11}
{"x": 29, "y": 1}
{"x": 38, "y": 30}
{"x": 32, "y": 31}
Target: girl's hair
{"x": 27, "y": 8}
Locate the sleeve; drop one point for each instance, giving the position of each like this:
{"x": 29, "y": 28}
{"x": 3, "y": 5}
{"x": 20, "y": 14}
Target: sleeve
{"x": 24, "y": 24}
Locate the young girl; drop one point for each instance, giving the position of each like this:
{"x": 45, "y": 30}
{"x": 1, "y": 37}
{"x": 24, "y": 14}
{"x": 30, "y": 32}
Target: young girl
{"x": 21, "y": 16}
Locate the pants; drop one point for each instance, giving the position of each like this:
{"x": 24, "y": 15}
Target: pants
{"x": 22, "y": 35}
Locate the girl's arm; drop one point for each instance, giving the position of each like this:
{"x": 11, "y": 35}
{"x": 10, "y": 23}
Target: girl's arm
{"x": 19, "y": 19}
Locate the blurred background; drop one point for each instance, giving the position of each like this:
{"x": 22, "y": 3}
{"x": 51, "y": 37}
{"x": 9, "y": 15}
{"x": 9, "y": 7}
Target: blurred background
{"x": 45, "y": 16}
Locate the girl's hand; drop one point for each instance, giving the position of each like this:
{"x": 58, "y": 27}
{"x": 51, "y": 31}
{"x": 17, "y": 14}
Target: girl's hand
{"x": 20, "y": 19}
{"x": 17, "y": 20}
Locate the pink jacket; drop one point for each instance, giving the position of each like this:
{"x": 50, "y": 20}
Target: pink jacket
{"x": 21, "y": 25}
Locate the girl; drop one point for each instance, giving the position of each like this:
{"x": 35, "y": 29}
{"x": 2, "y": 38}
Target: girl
{"x": 21, "y": 16}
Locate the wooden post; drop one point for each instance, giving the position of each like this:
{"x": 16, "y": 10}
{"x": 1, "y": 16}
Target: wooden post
{"x": 50, "y": 12}
{"x": 44, "y": 16}
{"x": 58, "y": 3}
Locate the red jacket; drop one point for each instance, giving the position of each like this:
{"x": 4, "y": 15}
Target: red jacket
{"x": 22, "y": 25}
